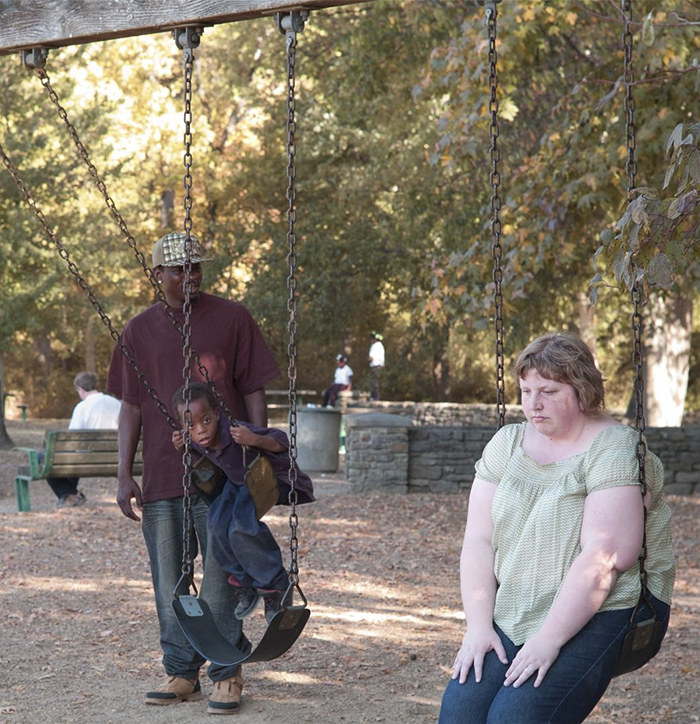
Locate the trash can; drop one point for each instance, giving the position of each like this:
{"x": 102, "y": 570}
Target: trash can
{"x": 318, "y": 436}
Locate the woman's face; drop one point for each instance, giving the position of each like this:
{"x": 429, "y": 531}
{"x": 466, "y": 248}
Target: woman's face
{"x": 552, "y": 408}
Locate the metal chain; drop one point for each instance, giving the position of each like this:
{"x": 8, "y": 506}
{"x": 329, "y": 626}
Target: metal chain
{"x": 630, "y": 130}
{"x": 45, "y": 81}
{"x": 111, "y": 205}
{"x": 189, "y": 40}
{"x": 73, "y": 268}
{"x": 496, "y": 249}
{"x": 636, "y": 292}
{"x": 291, "y": 43}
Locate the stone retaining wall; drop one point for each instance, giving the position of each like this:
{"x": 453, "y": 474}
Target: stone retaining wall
{"x": 453, "y": 413}
{"x": 390, "y": 453}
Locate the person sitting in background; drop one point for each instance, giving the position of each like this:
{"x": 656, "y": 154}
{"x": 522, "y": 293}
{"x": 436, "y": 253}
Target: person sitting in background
{"x": 549, "y": 566}
{"x": 342, "y": 380}
{"x": 95, "y": 411}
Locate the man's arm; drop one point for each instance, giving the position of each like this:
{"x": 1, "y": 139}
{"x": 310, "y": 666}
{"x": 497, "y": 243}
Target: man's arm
{"x": 129, "y": 433}
{"x": 256, "y": 407}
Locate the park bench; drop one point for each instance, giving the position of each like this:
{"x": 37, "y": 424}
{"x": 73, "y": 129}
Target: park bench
{"x": 71, "y": 454}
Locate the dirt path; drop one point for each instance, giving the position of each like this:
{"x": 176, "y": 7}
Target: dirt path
{"x": 79, "y": 636}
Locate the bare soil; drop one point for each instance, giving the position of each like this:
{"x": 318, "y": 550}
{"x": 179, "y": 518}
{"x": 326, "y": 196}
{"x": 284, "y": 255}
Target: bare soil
{"x": 79, "y": 637}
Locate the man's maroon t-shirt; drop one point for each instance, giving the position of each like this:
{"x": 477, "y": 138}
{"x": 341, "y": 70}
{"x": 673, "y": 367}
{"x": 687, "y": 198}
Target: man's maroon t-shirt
{"x": 231, "y": 347}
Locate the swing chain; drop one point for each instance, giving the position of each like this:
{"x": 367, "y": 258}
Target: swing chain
{"x": 629, "y": 104}
{"x": 187, "y": 40}
{"x": 290, "y": 23}
{"x": 131, "y": 241}
{"x": 45, "y": 81}
{"x": 636, "y": 293}
{"x": 496, "y": 249}
{"x": 75, "y": 271}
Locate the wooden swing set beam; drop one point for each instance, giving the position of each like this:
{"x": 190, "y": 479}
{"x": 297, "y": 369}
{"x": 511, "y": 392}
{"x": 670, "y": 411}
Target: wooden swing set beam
{"x": 30, "y": 24}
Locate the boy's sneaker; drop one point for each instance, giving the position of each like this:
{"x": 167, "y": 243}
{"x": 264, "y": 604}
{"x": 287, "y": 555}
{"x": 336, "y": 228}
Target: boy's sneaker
{"x": 247, "y": 601}
{"x": 273, "y": 603}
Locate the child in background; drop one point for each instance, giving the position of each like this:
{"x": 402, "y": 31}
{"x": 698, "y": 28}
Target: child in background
{"x": 242, "y": 545}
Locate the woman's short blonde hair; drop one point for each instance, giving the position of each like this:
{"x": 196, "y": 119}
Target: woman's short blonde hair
{"x": 565, "y": 358}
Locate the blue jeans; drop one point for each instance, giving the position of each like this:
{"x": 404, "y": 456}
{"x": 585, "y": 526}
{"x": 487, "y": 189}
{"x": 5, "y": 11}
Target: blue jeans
{"x": 162, "y": 530}
{"x": 572, "y": 687}
{"x": 242, "y": 544}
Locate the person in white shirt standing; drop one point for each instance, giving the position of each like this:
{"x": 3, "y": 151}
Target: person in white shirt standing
{"x": 95, "y": 411}
{"x": 376, "y": 363}
{"x": 342, "y": 380}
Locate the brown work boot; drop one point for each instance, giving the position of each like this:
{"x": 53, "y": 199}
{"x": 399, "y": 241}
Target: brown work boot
{"x": 226, "y": 695}
{"x": 176, "y": 689}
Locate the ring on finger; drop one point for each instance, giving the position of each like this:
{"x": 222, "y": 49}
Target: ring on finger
{"x": 530, "y": 668}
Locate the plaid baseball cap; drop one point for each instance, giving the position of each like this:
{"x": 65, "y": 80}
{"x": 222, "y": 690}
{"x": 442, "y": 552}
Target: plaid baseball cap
{"x": 169, "y": 250}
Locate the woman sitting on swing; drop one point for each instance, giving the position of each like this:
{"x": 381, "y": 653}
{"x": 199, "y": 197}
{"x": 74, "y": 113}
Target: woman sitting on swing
{"x": 549, "y": 565}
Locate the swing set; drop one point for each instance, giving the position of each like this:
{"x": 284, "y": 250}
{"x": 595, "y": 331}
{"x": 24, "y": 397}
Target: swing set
{"x": 33, "y": 32}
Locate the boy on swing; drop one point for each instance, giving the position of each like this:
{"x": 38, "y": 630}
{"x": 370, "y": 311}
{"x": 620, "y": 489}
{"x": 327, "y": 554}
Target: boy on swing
{"x": 242, "y": 545}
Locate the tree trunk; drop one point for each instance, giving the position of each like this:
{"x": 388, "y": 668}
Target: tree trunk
{"x": 441, "y": 366}
{"x": 167, "y": 208}
{"x": 667, "y": 330}
{"x": 5, "y": 440}
{"x": 43, "y": 346}
{"x": 90, "y": 357}
{"x": 584, "y": 321}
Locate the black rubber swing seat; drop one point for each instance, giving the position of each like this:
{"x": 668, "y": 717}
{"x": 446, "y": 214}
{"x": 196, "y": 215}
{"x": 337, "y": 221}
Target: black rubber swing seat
{"x": 197, "y": 623}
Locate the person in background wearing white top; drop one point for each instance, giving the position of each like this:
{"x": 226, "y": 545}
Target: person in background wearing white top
{"x": 376, "y": 363}
{"x": 95, "y": 411}
{"x": 342, "y": 380}
{"x": 549, "y": 567}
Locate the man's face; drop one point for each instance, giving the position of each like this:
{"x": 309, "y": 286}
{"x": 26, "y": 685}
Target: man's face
{"x": 172, "y": 281}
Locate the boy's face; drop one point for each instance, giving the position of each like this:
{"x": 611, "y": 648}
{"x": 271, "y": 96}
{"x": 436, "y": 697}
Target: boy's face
{"x": 205, "y": 423}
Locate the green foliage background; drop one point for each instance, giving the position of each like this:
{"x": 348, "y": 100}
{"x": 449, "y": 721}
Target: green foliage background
{"x": 393, "y": 186}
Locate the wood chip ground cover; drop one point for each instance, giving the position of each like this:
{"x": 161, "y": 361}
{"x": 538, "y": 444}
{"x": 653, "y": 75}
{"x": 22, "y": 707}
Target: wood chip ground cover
{"x": 79, "y": 640}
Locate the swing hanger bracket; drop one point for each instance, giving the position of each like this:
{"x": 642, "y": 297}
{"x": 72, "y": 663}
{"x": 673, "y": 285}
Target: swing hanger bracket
{"x": 187, "y": 38}
{"x": 489, "y": 7}
{"x": 34, "y": 57}
{"x": 292, "y": 22}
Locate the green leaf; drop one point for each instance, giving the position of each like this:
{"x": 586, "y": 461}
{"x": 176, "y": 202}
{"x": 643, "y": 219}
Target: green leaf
{"x": 595, "y": 285}
{"x": 659, "y": 271}
{"x": 694, "y": 165}
{"x": 648, "y": 30}
{"x": 683, "y": 205}
{"x": 609, "y": 96}
{"x": 669, "y": 174}
{"x": 675, "y": 137}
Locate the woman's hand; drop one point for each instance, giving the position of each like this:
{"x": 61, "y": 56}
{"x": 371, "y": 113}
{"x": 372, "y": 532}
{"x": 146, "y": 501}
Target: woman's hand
{"x": 178, "y": 442}
{"x": 475, "y": 645}
{"x": 535, "y": 657}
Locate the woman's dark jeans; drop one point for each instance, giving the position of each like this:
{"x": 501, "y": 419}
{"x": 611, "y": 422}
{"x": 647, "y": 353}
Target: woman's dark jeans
{"x": 570, "y": 690}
